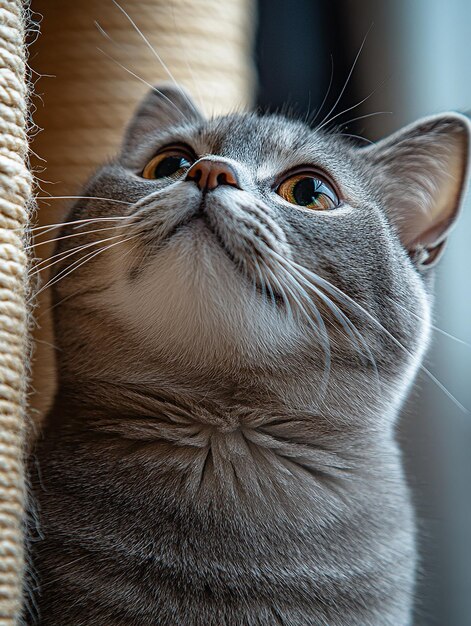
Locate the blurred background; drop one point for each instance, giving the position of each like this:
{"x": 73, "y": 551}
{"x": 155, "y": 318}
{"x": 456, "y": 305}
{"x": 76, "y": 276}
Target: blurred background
{"x": 413, "y": 60}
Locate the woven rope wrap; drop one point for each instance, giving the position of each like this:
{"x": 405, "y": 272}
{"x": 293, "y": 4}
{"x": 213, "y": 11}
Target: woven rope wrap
{"x": 14, "y": 194}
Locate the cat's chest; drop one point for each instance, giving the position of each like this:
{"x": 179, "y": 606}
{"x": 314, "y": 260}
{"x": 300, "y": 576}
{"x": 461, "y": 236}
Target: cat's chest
{"x": 177, "y": 531}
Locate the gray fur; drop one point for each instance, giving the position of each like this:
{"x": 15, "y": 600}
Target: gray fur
{"x": 221, "y": 451}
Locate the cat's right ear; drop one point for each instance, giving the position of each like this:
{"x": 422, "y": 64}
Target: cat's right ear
{"x": 422, "y": 173}
{"x": 163, "y": 106}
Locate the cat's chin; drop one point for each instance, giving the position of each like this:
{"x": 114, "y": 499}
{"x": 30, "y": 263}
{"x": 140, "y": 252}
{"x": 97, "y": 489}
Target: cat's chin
{"x": 192, "y": 294}
{"x": 201, "y": 235}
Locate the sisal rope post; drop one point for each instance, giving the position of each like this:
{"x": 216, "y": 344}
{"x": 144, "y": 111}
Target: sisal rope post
{"x": 207, "y": 47}
{"x": 15, "y": 186}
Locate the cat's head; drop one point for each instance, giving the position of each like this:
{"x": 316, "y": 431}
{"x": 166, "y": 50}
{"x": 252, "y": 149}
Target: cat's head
{"x": 255, "y": 248}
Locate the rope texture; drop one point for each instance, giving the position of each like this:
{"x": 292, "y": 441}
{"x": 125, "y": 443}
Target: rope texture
{"x": 15, "y": 186}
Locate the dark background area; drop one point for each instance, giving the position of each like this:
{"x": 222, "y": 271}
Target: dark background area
{"x": 414, "y": 62}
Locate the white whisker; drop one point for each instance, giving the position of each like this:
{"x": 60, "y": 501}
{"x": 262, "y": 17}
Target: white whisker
{"x": 435, "y": 328}
{"x": 328, "y": 90}
{"x": 152, "y": 87}
{"x": 75, "y": 266}
{"x": 155, "y": 53}
{"x": 81, "y": 198}
{"x": 68, "y": 253}
{"x": 348, "y": 301}
{"x": 343, "y": 319}
{"x": 368, "y": 141}
{"x": 184, "y": 49}
{"x": 319, "y": 328}
{"x": 326, "y": 119}
{"x": 362, "y": 117}
{"x": 81, "y": 234}
{"x": 280, "y": 290}
{"x": 260, "y": 279}
{"x": 351, "y": 108}
{"x": 48, "y": 227}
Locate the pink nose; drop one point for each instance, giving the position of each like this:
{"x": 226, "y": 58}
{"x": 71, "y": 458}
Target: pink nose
{"x": 209, "y": 174}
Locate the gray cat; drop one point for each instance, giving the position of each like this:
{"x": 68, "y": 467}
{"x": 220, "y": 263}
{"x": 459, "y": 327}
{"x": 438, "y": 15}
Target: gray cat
{"x": 241, "y": 305}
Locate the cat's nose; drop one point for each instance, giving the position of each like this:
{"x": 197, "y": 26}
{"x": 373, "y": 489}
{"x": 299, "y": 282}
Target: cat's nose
{"x": 209, "y": 174}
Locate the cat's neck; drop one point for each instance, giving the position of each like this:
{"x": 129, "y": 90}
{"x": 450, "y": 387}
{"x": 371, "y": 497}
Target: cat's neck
{"x": 227, "y": 418}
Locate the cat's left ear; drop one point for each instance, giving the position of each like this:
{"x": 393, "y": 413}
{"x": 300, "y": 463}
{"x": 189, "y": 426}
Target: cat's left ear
{"x": 422, "y": 172}
{"x": 163, "y": 106}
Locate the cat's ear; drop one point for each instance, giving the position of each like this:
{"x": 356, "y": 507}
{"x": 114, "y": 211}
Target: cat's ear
{"x": 422, "y": 172}
{"x": 163, "y": 106}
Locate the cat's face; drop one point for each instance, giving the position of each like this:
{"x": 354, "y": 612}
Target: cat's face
{"x": 257, "y": 244}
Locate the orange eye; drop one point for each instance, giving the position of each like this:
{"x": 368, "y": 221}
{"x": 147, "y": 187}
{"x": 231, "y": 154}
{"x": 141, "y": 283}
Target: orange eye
{"x": 170, "y": 163}
{"x": 308, "y": 191}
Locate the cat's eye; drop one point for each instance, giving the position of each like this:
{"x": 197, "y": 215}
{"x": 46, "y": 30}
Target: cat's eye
{"x": 171, "y": 162}
{"x": 309, "y": 191}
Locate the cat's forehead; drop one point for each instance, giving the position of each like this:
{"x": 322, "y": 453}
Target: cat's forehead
{"x": 250, "y": 135}
{"x": 257, "y": 140}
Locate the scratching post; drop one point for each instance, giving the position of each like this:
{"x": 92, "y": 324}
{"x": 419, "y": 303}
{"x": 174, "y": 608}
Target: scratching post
{"x": 205, "y": 44}
{"x": 14, "y": 195}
